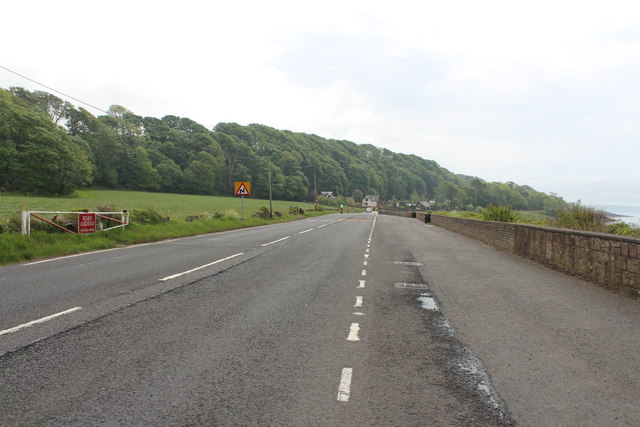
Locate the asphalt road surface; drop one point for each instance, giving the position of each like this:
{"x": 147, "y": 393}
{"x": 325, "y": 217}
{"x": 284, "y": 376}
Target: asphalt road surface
{"x": 350, "y": 320}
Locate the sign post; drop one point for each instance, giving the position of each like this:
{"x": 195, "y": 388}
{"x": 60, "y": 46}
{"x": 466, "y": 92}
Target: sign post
{"x": 242, "y": 188}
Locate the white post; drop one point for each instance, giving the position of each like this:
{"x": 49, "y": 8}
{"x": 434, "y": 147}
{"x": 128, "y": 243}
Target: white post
{"x": 25, "y": 218}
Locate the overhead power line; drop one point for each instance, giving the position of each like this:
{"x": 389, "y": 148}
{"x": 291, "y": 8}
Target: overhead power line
{"x": 57, "y": 91}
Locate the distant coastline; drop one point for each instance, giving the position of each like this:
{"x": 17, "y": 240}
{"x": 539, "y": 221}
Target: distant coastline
{"x": 628, "y": 214}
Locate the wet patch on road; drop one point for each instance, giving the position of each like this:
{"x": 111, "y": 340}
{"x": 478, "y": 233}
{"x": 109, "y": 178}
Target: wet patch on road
{"x": 465, "y": 371}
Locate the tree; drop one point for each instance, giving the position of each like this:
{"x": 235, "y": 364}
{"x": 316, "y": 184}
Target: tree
{"x": 146, "y": 176}
{"x": 357, "y": 195}
{"x": 39, "y": 157}
{"x": 202, "y": 174}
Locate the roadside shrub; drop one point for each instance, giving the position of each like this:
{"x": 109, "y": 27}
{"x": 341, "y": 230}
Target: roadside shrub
{"x": 585, "y": 218}
{"x": 147, "y": 217}
{"x": 11, "y": 225}
{"x": 499, "y": 213}
{"x": 262, "y": 213}
{"x": 623, "y": 229}
{"x": 231, "y": 214}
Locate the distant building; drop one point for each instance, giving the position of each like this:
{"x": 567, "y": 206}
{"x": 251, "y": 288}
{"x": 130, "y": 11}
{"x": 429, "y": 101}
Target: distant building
{"x": 422, "y": 206}
{"x": 371, "y": 201}
{"x": 327, "y": 194}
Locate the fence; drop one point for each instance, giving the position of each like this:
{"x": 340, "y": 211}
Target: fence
{"x": 86, "y": 223}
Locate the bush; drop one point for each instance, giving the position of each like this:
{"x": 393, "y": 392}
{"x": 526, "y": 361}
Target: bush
{"x": 623, "y": 229}
{"x": 585, "y": 218}
{"x": 499, "y": 213}
{"x": 147, "y": 217}
{"x": 263, "y": 213}
{"x": 12, "y": 225}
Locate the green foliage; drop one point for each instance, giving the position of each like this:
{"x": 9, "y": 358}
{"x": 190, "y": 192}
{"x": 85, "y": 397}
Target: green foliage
{"x": 499, "y": 213}
{"x": 623, "y": 229}
{"x": 122, "y": 150}
{"x": 579, "y": 217}
{"x": 35, "y": 155}
{"x": 147, "y": 217}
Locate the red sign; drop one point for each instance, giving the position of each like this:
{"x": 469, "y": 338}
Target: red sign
{"x": 86, "y": 223}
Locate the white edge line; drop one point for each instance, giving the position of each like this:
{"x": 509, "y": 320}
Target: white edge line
{"x": 344, "y": 389}
{"x": 34, "y": 322}
{"x": 70, "y": 256}
{"x": 275, "y": 241}
{"x": 173, "y": 276}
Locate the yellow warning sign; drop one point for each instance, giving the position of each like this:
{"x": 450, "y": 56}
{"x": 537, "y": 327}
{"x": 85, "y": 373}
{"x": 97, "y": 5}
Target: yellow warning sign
{"x": 242, "y": 189}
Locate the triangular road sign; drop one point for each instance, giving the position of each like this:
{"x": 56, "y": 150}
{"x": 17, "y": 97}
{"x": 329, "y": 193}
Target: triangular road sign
{"x": 243, "y": 189}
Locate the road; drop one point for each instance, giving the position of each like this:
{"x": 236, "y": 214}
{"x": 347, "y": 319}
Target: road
{"x": 342, "y": 320}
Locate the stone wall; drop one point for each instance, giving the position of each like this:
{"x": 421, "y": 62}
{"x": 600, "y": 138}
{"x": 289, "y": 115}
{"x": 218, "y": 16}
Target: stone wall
{"x": 605, "y": 259}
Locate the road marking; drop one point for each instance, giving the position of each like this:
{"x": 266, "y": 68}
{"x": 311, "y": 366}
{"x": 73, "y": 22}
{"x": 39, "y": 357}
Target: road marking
{"x": 365, "y": 262}
{"x": 428, "y": 302}
{"x": 275, "y": 241}
{"x": 344, "y": 389}
{"x": 358, "y": 302}
{"x": 323, "y": 225}
{"x": 358, "y": 313}
{"x": 366, "y": 255}
{"x": 353, "y": 332}
{"x": 367, "y": 250}
{"x": 364, "y": 272}
{"x": 361, "y": 285}
{"x": 305, "y": 231}
{"x": 173, "y": 276}
{"x": 34, "y": 322}
{"x": 70, "y": 256}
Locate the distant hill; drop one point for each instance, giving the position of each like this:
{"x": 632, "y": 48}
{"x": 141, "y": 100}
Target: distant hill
{"x": 48, "y": 146}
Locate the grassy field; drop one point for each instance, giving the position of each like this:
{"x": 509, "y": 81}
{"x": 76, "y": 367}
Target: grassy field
{"x": 175, "y": 206}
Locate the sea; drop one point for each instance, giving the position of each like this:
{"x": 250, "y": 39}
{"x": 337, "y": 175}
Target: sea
{"x": 628, "y": 214}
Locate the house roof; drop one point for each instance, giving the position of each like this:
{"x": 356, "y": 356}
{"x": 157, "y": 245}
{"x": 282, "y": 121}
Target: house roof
{"x": 373, "y": 197}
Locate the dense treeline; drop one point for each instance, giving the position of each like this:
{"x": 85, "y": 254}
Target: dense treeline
{"x": 48, "y": 146}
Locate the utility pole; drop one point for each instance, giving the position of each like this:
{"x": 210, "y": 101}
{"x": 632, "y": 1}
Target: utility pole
{"x": 315, "y": 186}
{"x": 270, "y": 198}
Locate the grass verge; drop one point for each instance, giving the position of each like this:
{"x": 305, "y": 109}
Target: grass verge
{"x": 16, "y": 248}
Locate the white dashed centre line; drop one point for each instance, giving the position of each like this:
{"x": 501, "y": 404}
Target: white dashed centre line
{"x": 366, "y": 255}
{"x": 275, "y": 241}
{"x": 353, "y": 332}
{"x": 364, "y": 272}
{"x": 305, "y": 231}
{"x": 358, "y": 302}
{"x": 361, "y": 285}
{"x": 173, "y": 276}
{"x": 344, "y": 389}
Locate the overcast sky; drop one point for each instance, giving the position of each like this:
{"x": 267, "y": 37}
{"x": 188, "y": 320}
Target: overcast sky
{"x": 542, "y": 93}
